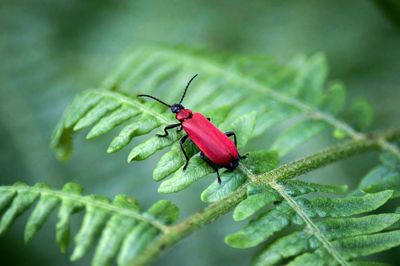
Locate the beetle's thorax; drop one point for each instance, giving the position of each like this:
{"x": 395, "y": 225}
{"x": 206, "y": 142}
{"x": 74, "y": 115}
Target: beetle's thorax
{"x": 183, "y": 114}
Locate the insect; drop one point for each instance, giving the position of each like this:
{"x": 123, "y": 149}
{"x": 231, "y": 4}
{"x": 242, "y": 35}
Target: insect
{"x": 216, "y": 148}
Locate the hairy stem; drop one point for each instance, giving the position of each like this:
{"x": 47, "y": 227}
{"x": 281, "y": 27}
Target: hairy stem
{"x": 327, "y": 156}
{"x": 189, "y": 225}
{"x": 289, "y": 170}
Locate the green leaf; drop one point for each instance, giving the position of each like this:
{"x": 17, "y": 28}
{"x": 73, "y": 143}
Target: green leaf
{"x": 68, "y": 207}
{"x": 19, "y": 205}
{"x": 273, "y": 116}
{"x": 230, "y": 181}
{"x": 97, "y": 112}
{"x": 218, "y": 115}
{"x": 171, "y": 161}
{"x": 260, "y": 196}
{"x": 339, "y": 207}
{"x": 339, "y": 134}
{"x": 144, "y": 126}
{"x": 309, "y": 82}
{"x": 384, "y": 176}
{"x": 79, "y": 107}
{"x": 196, "y": 170}
{"x": 280, "y": 217}
{"x": 112, "y": 109}
{"x": 121, "y": 70}
{"x": 299, "y": 242}
{"x": 352, "y": 247}
{"x": 253, "y": 204}
{"x": 144, "y": 233}
{"x": 257, "y": 162}
{"x": 91, "y": 227}
{"x": 43, "y": 209}
{"x": 296, "y": 135}
{"x": 243, "y": 128}
{"x": 151, "y": 146}
{"x": 389, "y": 182}
{"x": 262, "y": 228}
{"x": 5, "y": 198}
{"x": 165, "y": 211}
{"x": 335, "y": 98}
{"x": 360, "y": 114}
{"x": 297, "y": 187}
{"x": 111, "y": 121}
{"x": 61, "y": 142}
{"x": 114, "y": 232}
{"x": 135, "y": 242}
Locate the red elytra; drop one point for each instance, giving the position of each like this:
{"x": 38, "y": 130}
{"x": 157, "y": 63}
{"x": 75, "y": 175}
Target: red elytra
{"x": 215, "y": 145}
{"x": 216, "y": 148}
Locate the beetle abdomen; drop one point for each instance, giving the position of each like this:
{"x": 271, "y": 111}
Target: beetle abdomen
{"x": 215, "y": 145}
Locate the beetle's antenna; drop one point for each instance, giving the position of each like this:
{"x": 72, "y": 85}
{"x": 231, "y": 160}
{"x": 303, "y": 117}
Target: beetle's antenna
{"x": 187, "y": 86}
{"x": 154, "y": 98}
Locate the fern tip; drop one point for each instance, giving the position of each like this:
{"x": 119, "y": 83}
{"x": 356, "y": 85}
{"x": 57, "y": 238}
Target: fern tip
{"x": 132, "y": 156}
{"x": 27, "y": 237}
{"x": 110, "y": 150}
{"x": 76, "y": 255}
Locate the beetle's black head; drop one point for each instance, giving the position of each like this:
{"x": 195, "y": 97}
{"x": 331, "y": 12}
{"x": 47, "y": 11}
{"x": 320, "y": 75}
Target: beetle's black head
{"x": 176, "y": 108}
{"x": 233, "y": 164}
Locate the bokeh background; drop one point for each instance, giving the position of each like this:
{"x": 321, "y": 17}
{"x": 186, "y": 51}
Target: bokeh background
{"x": 52, "y": 49}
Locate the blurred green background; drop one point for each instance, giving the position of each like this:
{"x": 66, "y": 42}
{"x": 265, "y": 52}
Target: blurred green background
{"x": 50, "y": 50}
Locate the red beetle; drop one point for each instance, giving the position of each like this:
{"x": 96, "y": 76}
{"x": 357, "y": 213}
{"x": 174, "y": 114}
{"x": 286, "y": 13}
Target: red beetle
{"x": 216, "y": 148}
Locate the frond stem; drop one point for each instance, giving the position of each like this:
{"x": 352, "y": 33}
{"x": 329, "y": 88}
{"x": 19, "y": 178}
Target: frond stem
{"x": 327, "y": 156}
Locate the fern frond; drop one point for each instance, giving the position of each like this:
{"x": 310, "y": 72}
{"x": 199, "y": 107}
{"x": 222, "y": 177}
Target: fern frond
{"x": 238, "y": 93}
{"x": 334, "y": 224}
{"x": 121, "y": 229}
{"x": 384, "y": 176}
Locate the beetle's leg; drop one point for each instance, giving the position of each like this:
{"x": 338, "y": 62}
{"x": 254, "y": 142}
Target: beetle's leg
{"x": 209, "y": 119}
{"x": 202, "y": 156}
{"x": 166, "y": 130}
{"x": 231, "y": 133}
{"x": 218, "y": 177}
{"x": 243, "y": 156}
{"x": 183, "y": 139}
